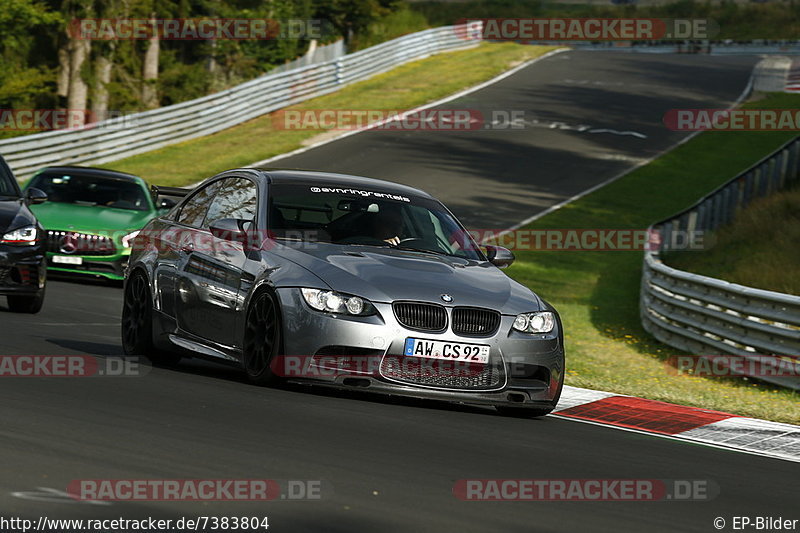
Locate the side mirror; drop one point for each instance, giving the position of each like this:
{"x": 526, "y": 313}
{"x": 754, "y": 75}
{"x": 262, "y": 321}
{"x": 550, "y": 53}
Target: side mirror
{"x": 230, "y": 229}
{"x": 499, "y": 256}
{"x": 35, "y": 196}
{"x": 167, "y": 203}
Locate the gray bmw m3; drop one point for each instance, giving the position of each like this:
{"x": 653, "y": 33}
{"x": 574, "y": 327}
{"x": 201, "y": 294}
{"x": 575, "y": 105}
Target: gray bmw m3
{"x": 340, "y": 281}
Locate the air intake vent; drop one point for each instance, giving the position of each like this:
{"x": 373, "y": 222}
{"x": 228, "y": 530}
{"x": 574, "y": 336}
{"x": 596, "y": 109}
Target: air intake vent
{"x": 421, "y": 316}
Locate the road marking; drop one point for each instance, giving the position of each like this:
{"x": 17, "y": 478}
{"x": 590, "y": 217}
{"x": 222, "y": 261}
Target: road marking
{"x": 71, "y": 324}
{"x": 521, "y": 123}
{"x": 444, "y": 100}
{"x": 623, "y": 157}
{"x": 48, "y": 495}
{"x": 617, "y": 132}
{"x": 602, "y": 83}
{"x": 644, "y": 162}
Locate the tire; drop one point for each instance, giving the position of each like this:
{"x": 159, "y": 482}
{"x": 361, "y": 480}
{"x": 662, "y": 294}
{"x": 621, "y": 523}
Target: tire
{"x": 532, "y": 412}
{"x": 262, "y": 339}
{"x": 137, "y": 323}
{"x": 26, "y": 304}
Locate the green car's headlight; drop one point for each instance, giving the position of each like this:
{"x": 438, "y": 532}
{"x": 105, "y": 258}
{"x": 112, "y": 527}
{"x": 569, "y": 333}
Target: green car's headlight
{"x": 127, "y": 240}
{"x": 542, "y": 322}
{"x": 334, "y": 302}
{"x": 25, "y": 236}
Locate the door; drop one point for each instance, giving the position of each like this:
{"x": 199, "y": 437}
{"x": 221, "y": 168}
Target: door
{"x": 211, "y": 269}
{"x": 176, "y": 246}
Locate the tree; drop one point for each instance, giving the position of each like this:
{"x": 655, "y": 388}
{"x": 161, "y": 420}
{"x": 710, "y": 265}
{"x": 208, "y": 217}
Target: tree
{"x": 25, "y": 80}
{"x": 352, "y": 16}
{"x": 150, "y": 70}
{"x": 73, "y": 56}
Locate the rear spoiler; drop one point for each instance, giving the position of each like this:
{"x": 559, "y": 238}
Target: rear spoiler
{"x": 158, "y": 190}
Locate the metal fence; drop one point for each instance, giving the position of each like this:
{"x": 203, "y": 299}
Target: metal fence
{"x": 133, "y": 134}
{"x": 756, "y": 47}
{"x": 320, "y": 54}
{"x": 707, "y": 316}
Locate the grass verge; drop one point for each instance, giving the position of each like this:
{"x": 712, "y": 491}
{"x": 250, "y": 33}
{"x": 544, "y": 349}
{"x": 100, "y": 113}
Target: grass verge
{"x": 759, "y": 249}
{"x": 597, "y": 292}
{"x": 405, "y": 87}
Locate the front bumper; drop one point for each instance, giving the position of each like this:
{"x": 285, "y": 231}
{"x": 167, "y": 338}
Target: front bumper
{"x": 22, "y": 269}
{"x": 110, "y": 266}
{"x": 530, "y": 367}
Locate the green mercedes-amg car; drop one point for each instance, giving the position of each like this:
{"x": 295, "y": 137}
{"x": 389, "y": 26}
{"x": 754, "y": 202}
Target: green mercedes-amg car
{"x": 92, "y": 216}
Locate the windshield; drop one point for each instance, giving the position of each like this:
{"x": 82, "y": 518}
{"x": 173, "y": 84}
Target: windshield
{"x": 362, "y": 217}
{"x": 93, "y": 191}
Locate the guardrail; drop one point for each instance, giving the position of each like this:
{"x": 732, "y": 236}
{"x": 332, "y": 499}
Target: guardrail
{"x": 320, "y": 54}
{"x": 707, "y": 316}
{"x": 136, "y": 133}
{"x": 756, "y": 47}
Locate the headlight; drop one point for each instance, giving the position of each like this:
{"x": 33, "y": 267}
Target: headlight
{"x": 127, "y": 240}
{"x": 334, "y": 302}
{"x": 535, "y": 322}
{"x": 24, "y": 236}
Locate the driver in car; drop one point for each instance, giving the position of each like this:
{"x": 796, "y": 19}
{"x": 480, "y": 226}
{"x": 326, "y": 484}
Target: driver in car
{"x": 388, "y": 224}
{"x": 128, "y": 199}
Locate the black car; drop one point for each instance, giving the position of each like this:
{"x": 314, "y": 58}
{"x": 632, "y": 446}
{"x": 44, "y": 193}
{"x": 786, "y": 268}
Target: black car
{"x": 342, "y": 281}
{"x": 23, "y": 271}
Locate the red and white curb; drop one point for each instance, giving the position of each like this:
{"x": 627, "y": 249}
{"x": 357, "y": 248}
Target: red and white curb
{"x": 715, "y": 428}
{"x": 793, "y": 78}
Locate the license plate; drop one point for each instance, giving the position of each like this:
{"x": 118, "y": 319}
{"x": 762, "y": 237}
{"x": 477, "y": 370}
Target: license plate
{"x": 449, "y": 351}
{"x": 67, "y": 260}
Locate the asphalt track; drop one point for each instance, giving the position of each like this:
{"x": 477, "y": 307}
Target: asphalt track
{"x": 584, "y": 115}
{"x": 387, "y": 464}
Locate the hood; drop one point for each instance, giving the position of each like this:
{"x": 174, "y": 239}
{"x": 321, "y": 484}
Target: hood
{"x": 89, "y": 219}
{"x": 387, "y": 275}
{"x": 14, "y": 214}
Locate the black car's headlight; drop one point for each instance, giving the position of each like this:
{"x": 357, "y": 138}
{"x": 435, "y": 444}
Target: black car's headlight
{"x": 25, "y": 236}
{"x": 335, "y": 302}
{"x": 542, "y": 322}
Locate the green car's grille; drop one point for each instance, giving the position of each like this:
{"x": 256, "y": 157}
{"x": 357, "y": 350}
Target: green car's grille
{"x": 73, "y": 243}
